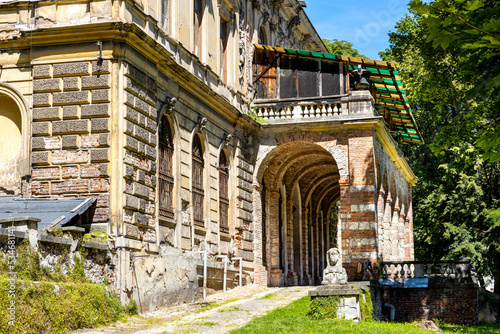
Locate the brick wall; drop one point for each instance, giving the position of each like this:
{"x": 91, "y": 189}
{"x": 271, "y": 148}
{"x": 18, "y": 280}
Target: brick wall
{"x": 450, "y": 303}
{"x": 71, "y": 109}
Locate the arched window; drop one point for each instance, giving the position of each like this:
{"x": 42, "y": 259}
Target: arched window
{"x": 197, "y": 182}
{"x": 165, "y": 174}
{"x": 223, "y": 49}
{"x": 223, "y": 192}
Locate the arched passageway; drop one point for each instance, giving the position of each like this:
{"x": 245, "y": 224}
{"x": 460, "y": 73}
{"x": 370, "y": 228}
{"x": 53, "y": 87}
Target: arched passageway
{"x": 299, "y": 196}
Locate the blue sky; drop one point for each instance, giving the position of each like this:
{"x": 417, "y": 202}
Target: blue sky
{"x": 365, "y": 23}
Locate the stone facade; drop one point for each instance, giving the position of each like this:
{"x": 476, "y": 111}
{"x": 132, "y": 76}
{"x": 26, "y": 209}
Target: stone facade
{"x": 97, "y": 82}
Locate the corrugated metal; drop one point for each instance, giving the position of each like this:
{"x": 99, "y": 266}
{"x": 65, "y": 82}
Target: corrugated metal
{"x": 52, "y": 212}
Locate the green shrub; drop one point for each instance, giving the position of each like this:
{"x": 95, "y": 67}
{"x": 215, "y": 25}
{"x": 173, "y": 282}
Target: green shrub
{"x": 131, "y": 307}
{"x": 78, "y": 272}
{"x": 44, "y": 308}
{"x": 366, "y": 305}
{"x": 324, "y": 307}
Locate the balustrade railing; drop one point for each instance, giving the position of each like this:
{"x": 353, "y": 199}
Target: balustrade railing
{"x": 303, "y": 110}
{"x": 460, "y": 269}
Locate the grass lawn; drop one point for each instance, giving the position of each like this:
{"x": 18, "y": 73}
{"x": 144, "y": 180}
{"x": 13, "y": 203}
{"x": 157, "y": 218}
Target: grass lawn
{"x": 294, "y": 319}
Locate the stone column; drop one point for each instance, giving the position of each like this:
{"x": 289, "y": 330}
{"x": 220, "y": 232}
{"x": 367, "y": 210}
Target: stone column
{"x": 394, "y": 232}
{"x": 387, "y": 228}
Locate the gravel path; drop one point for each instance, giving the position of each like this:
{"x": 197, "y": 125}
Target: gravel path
{"x": 221, "y": 313}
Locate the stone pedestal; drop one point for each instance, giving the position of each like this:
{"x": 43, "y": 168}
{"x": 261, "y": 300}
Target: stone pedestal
{"x": 349, "y": 305}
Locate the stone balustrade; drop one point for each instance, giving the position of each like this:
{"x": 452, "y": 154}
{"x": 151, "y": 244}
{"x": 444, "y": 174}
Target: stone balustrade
{"x": 458, "y": 269}
{"x": 357, "y": 104}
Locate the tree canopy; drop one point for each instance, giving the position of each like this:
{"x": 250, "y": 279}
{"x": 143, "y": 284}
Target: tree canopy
{"x": 447, "y": 55}
{"x": 342, "y": 47}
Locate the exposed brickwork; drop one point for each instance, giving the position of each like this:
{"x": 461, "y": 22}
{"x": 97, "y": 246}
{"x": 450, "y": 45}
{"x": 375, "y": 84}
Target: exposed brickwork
{"x": 450, "y": 303}
{"x": 71, "y": 145}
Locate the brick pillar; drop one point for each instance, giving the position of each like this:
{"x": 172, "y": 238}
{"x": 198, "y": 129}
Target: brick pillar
{"x": 305, "y": 247}
{"x": 273, "y": 206}
{"x": 380, "y": 221}
{"x": 260, "y": 272}
{"x": 345, "y": 219}
{"x": 401, "y": 234}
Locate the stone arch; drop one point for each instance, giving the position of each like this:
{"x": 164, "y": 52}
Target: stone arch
{"x": 14, "y": 140}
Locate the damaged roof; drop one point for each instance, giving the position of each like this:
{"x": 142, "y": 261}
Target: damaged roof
{"x": 52, "y": 211}
{"x": 385, "y": 86}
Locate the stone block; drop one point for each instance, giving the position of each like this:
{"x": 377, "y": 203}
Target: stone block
{"x": 131, "y": 143}
{"x": 131, "y": 231}
{"x": 71, "y": 112}
{"x": 71, "y": 83}
{"x": 95, "y": 110}
{"x": 100, "y": 95}
{"x": 131, "y": 202}
{"x": 45, "y": 143}
{"x": 141, "y": 219}
{"x": 75, "y": 97}
{"x": 47, "y": 85}
{"x": 132, "y": 114}
{"x": 141, "y": 190}
{"x": 99, "y": 154}
{"x": 41, "y": 129}
{"x": 142, "y": 106}
{"x": 40, "y": 158}
{"x": 71, "y": 141}
{"x": 70, "y": 126}
{"x": 150, "y": 151}
{"x": 141, "y": 133}
{"x": 52, "y": 113}
{"x": 71, "y": 69}
{"x": 102, "y": 66}
{"x": 42, "y": 100}
{"x": 95, "y": 81}
{"x": 103, "y": 139}
{"x": 99, "y": 125}
{"x": 41, "y": 71}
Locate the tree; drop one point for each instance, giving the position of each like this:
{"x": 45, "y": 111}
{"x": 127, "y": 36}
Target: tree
{"x": 342, "y": 47}
{"x": 457, "y": 198}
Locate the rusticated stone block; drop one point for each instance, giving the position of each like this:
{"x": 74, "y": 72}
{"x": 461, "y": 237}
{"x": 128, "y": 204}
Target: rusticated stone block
{"x": 100, "y": 95}
{"x": 131, "y": 143}
{"x": 102, "y": 66}
{"x": 76, "y": 97}
{"x": 103, "y": 139}
{"x": 52, "y": 113}
{"x": 45, "y": 143}
{"x": 71, "y": 69}
{"x": 132, "y": 114}
{"x": 71, "y": 83}
{"x": 71, "y": 112}
{"x": 95, "y": 81}
{"x": 95, "y": 110}
{"x": 141, "y": 219}
{"x": 47, "y": 85}
{"x": 70, "y": 126}
{"x": 99, "y": 154}
{"x": 72, "y": 141}
{"x": 99, "y": 125}
{"x": 131, "y": 231}
{"x": 42, "y": 100}
{"x": 141, "y": 190}
{"x": 131, "y": 202}
{"x": 41, "y": 129}
{"x": 41, "y": 71}
{"x": 40, "y": 158}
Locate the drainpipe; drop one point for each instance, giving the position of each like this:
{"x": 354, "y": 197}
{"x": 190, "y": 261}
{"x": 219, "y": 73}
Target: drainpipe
{"x": 204, "y": 274}
{"x": 393, "y": 310}
{"x": 241, "y": 267}
{"x": 225, "y": 268}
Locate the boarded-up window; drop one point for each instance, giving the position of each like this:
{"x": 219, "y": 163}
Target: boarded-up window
{"x": 223, "y": 192}
{"x": 165, "y": 173}
{"x": 197, "y": 186}
{"x": 330, "y": 74}
{"x": 288, "y": 87}
{"x": 198, "y": 14}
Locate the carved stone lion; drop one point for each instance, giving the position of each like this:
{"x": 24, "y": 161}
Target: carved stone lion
{"x": 334, "y": 273}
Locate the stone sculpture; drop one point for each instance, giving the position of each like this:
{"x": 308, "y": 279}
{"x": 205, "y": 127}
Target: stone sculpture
{"x": 334, "y": 273}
